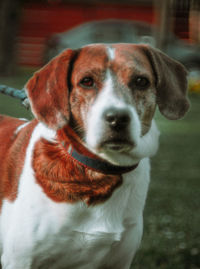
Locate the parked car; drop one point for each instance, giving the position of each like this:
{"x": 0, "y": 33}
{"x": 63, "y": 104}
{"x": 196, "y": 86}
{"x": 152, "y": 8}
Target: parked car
{"x": 116, "y": 31}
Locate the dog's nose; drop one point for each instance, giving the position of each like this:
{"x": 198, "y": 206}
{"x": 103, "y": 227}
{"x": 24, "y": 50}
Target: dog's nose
{"x": 117, "y": 119}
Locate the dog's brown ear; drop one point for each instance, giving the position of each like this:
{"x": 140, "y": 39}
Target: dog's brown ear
{"x": 171, "y": 83}
{"x": 48, "y": 91}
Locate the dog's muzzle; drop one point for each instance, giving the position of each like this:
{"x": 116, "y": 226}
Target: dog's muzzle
{"x": 117, "y": 130}
{"x": 117, "y": 120}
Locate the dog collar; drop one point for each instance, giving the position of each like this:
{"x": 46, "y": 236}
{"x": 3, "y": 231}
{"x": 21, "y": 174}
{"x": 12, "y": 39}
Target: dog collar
{"x": 98, "y": 164}
{"x": 91, "y": 161}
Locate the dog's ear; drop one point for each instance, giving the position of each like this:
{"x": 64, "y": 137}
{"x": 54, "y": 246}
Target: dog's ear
{"x": 171, "y": 83}
{"x": 48, "y": 91}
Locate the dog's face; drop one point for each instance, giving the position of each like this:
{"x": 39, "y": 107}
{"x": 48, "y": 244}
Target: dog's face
{"x": 108, "y": 93}
{"x": 113, "y": 96}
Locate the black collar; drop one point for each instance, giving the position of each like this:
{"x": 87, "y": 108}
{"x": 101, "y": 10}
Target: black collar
{"x": 96, "y": 163}
{"x": 100, "y": 165}
{"x": 79, "y": 153}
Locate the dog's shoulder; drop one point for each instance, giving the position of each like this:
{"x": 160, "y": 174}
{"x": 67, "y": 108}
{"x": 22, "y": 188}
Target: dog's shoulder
{"x": 9, "y": 124}
{"x": 15, "y": 135}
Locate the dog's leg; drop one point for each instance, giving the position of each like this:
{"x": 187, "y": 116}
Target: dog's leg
{"x": 17, "y": 263}
{"x": 16, "y": 254}
{"x": 121, "y": 256}
{"x": 17, "y": 237}
{"x": 133, "y": 235}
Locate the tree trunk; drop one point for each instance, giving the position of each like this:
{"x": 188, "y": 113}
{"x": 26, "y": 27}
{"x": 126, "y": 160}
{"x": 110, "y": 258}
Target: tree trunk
{"x": 9, "y": 22}
{"x": 164, "y": 21}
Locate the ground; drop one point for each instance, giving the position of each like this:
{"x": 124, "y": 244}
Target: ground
{"x": 171, "y": 218}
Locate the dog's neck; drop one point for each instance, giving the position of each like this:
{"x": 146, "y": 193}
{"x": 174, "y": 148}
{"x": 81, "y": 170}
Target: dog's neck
{"x": 76, "y": 149}
{"x": 66, "y": 179}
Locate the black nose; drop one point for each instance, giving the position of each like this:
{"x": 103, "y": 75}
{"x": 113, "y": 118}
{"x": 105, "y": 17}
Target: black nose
{"x": 117, "y": 118}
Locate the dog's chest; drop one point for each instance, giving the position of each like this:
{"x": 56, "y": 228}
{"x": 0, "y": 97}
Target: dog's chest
{"x": 78, "y": 237}
{"x": 75, "y": 249}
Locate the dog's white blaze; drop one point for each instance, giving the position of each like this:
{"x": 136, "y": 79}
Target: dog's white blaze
{"x": 111, "y": 53}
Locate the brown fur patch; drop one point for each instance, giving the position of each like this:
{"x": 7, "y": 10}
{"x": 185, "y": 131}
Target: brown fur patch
{"x": 64, "y": 180}
{"x": 12, "y": 154}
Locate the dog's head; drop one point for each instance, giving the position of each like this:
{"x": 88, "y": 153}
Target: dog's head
{"x": 108, "y": 93}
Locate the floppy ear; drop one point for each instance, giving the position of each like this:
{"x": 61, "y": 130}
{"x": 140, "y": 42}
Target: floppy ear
{"x": 171, "y": 83}
{"x": 48, "y": 91}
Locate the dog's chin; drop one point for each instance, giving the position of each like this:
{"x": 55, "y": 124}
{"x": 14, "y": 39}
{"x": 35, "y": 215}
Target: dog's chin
{"x": 118, "y": 152}
{"x": 116, "y": 146}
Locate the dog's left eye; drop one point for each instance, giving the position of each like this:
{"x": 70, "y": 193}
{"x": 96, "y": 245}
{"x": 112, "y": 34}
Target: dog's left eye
{"x": 87, "y": 82}
{"x": 142, "y": 82}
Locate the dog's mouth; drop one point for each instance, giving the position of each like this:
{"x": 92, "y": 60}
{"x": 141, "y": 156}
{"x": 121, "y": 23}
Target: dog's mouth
{"x": 117, "y": 145}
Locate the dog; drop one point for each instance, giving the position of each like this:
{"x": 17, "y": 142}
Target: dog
{"x": 74, "y": 180}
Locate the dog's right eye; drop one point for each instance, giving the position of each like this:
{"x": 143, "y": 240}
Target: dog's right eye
{"x": 87, "y": 82}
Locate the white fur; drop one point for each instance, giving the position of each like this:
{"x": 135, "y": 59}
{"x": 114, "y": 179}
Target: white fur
{"x": 21, "y": 126}
{"x": 111, "y": 53}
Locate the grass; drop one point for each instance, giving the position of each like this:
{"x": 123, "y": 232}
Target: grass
{"x": 171, "y": 218}
{"x": 9, "y": 105}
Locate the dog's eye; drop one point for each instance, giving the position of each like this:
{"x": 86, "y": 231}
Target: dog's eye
{"x": 87, "y": 82}
{"x": 141, "y": 82}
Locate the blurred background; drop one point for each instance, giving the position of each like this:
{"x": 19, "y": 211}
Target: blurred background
{"x": 34, "y": 31}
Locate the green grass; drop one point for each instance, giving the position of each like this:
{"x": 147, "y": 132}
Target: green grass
{"x": 11, "y": 106}
{"x": 171, "y": 218}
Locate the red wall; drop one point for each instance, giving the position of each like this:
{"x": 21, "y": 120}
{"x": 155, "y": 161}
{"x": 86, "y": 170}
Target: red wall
{"x": 39, "y": 22}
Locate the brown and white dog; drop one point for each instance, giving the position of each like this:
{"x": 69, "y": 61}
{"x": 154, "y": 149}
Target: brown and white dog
{"x": 73, "y": 181}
